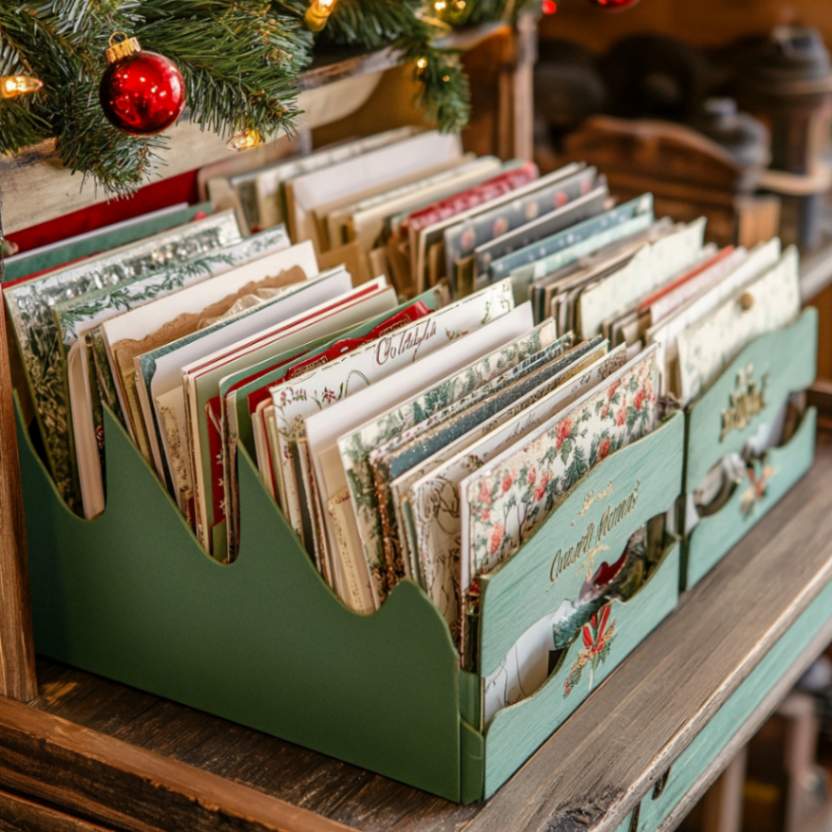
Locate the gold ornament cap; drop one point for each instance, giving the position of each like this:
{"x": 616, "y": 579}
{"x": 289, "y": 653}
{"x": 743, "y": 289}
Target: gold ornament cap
{"x": 121, "y": 45}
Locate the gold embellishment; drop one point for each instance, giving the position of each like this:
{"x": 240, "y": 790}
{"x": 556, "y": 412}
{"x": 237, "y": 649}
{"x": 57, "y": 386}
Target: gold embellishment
{"x": 747, "y": 401}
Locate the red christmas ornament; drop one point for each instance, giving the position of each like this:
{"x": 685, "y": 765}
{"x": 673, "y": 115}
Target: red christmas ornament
{"x": 614, "y": 5}
{"x": 141, "y": 92}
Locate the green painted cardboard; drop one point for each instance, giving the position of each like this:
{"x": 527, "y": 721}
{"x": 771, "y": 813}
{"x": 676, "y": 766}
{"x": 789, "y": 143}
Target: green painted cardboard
{"x": 719, "y": 731}
{"x": 786, "y": 357}
{"x": 716, "y": 535}
{"x": 517, "y": 731}
{"x": 645, "y": 477}
{"x": 263, "y": 642}
{"x": 787, "y": 360}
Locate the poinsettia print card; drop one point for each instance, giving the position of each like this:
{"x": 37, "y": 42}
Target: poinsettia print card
{"x": 506, "y": 500}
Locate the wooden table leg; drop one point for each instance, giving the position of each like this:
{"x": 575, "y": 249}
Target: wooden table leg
{"x": 17, "y": 655}
{"x": 722, "y": 805}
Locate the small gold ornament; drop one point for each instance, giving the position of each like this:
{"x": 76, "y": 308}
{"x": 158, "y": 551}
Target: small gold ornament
{"x": 14, "y": 86}
{"x": 246, "y": 140}
{"x": 318, "y": 14}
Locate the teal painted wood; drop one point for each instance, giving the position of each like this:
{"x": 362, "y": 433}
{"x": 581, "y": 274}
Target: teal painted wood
{"x": 517, "y": 731}
{"x": 262, "y": 642}
{"x": 716, "y": 535}
{"x": 473, "y": 764}
{"x": 645, "y": 478}
{"x": 787, "y": 358}
{"x": 626, "y": 825}
{"x": 716, "y": 735}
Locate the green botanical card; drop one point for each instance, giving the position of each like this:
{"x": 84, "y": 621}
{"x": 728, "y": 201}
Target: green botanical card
{"x": 30, "y": 309}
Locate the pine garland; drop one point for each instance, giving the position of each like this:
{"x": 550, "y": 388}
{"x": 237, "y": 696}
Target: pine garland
{"x": 241, "y": 60}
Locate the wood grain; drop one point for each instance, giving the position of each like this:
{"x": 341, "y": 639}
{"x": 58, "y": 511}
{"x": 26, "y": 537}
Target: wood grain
{"x": 17, "y": 656}
{"x": 20, "y": 815}
{"x": 112, "y": 782}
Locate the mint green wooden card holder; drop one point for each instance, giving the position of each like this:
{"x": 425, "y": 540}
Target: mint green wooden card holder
{"x": 264, "y": 642}
{"x": 723, "y": 420}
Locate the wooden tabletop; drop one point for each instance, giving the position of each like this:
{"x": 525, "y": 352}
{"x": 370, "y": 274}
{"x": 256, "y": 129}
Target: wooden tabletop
{"x": 124, "y": 759}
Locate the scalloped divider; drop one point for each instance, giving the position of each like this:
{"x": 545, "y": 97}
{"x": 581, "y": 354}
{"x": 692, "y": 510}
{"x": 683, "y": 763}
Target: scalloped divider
{"x": 714, "y": 536}
{"x": 517, "y": 731}
{"x": 592, "y": 525}
{"x": 787, "y": 358}
{"x": 262, "y": 642}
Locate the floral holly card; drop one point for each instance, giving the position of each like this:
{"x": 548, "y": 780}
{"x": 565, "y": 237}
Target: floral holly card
{"x": 394, "y": 459}
{"x": 434, "y": 499}
{"x": 507, "y": 499}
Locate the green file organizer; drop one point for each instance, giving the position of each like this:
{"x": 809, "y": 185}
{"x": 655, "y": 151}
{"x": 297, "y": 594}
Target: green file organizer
{"x": 264, "y": 642}
{"x": 785, "y": 362}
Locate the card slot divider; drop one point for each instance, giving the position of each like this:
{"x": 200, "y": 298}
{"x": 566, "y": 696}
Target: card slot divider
{"x": 538, "y": 713}
{"x": 653, "y": 464}
{"x": 790, "y": 352}
{"x": 714, "y": 535}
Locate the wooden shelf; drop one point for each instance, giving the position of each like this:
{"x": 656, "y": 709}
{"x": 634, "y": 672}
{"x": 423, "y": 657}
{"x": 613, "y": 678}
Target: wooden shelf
{"x": 106, "y": 752}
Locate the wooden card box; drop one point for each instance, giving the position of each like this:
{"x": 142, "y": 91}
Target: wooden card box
{"x": 719, "y": 423}
{"x": 264, "y": 642}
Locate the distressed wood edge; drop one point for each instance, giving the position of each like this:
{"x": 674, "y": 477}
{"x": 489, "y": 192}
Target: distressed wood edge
{"x": 749, "y": 728}
{"x": 18, "y": 678}
{"x": 16, "y": 809}
{"x": 51, "y": 759}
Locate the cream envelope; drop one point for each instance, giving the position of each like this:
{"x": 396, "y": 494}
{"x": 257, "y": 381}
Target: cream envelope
{"x": 321, "y": 388}
{"x": 365, "y": 221}
{"x": 269, "y": 183}
{"x": 650, "y": 269}
{"x": 161, "y": 376}
{"x": 707, "y": 346}
{"x": 434, "y": 499}
{"x": 324, "y": 429}
{"x": 387, "y": 164}
{"x": 202, "y": 379}
{"x": 147, "y": 327}
{"x": 667, "y": 332}
{"x": 336, "y": 216}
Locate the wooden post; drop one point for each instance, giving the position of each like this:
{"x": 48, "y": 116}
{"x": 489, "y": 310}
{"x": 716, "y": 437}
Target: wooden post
{"x": 722, "y": 805}
{"x": 17, "y": 654}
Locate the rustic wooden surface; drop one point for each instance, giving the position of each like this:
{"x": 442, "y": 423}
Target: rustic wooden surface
{"x": 17, "y": 657}
{"x": 131, "y": 754}
{"x": 20, "y": 815}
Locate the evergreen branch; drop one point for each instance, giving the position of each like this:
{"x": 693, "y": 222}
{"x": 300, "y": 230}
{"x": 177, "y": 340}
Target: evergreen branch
{"x": 241, "y": 60}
